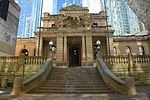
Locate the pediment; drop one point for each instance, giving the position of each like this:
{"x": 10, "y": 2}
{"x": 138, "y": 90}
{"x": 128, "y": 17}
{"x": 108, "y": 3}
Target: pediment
{"x": 73, "y": 22}
{"x": 73, "y": 8}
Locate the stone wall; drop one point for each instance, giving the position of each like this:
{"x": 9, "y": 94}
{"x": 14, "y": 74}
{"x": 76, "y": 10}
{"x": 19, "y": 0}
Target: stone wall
{"x": 25, "y": 43}
{"x": 142, "y": 9}
{"x": 133, "y": 42}
{"x": 8, "y": 31}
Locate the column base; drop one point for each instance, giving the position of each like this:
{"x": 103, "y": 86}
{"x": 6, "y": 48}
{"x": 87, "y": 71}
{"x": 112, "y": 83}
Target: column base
{"x": 61, "y": 64}
{"x": 87, "y": 64}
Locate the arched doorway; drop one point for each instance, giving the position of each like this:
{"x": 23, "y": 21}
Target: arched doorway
{"x": 24, "y": 52}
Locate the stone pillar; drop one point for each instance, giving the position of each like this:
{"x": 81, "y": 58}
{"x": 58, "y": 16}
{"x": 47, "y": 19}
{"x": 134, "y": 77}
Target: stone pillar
{"x": 130, "y": 86}
{"x": 89, "y": 47}
{"x": 39, "y": 46}
{"x": 59, "y": 50}
{"x": 4, "y": 83}
{"x": 110, "y": 45}
{"x": 65, "y": 49}
{"x": 17, "y": 86}
{"x": 83, "y": 49}
{"x": 37, "y": 43}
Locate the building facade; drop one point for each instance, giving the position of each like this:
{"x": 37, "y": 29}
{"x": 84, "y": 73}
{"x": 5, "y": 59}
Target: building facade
{"x": 58, "y": 4}
{"x": 29, "y": 17}
{"x": 9, "y": 19}
{"x": 73, "y": 37}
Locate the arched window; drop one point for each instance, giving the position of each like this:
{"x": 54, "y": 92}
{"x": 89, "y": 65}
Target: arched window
{"x": 141, "y": 50}
{"x": 115, "y": 51}
{"x": 24, "y": 52}
{"x": 128, "y": 50}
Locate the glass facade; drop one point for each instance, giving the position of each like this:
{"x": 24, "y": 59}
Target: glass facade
{"x": 58, "y": 4}
{"x": 121, "y": 17}
{"x": 29, "y": 17}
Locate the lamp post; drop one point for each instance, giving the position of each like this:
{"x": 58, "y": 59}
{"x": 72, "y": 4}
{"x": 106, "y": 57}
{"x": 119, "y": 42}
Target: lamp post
{"x": 51, "y": 48}
{"x": 38, "y": 53}
{"x": 98, "y": 43}
{"x": 97, "y": 48}
{"x": 107, "y": 34}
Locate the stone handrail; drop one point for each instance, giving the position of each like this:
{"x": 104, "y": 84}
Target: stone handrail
{"x": 39, "y": 77}
{"x": 109, "y": 78}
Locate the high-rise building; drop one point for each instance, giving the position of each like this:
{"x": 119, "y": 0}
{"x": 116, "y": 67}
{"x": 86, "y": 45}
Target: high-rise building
{"x": 121, "y": 17}
{"x": 58, "y": 4}
{"x": 29, "y": 17}
{"x": 9, "y": 19}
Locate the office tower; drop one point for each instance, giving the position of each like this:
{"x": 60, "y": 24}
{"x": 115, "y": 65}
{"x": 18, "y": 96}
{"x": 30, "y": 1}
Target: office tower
{"x": 29, "y": 17}
{"x": 58, "y": 4}
{"x": 9, "y": 19}
{"x": 121, "y": 17}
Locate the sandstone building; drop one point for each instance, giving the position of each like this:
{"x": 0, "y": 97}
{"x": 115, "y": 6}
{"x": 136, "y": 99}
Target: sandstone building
{"x": 73, "y": 34}
{"x": 9, "y": 18}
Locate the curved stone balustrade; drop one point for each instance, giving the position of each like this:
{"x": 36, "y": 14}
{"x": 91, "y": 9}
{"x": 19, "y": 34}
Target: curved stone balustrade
{"x": 110, "y": 79}
{"x": 39, "y": 77}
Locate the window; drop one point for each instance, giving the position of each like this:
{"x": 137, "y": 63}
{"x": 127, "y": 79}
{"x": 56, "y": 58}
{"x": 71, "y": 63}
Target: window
{"x": 115, "y": 51}
{"x": 128, "y": 50}
{"x": 4, "y": 4}
{"x": 94, "y": 24}
{"x": 141, "y": 50}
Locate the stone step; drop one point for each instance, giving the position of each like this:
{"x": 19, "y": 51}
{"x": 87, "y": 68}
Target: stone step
{"x": 79, "y": 85}
{"x": 73, "y": 91}
{"x": 74, "y": 80}
{"x": 73, "y": 88}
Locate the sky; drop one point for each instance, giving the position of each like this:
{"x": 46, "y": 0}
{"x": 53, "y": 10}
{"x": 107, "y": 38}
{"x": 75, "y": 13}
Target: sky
{"x": 93, "y": 5}
{"x": 47, "y": 6}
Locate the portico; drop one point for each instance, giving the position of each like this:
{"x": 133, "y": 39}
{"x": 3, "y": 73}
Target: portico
{"x": 74, "y": 34}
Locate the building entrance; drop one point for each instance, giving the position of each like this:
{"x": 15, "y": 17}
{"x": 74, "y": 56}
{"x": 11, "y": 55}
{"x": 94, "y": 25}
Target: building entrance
{"x": 74, "y": 55}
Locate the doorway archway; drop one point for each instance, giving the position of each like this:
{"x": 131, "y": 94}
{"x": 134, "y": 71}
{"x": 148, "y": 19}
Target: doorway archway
{"x": 24, "y": 52}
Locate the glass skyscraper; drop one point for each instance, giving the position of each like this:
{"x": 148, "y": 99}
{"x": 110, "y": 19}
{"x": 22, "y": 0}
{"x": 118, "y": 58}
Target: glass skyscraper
{"x": 121, "y": 17}
{"x": 29, "y": 17}
{"x": 58, "y": 4}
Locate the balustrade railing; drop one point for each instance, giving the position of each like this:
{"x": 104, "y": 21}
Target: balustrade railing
{"x": 122, "y": 59}
{"x": 141, "y": 59}
{"x": 25, "y": 66}
{"x": 115, "y": 59}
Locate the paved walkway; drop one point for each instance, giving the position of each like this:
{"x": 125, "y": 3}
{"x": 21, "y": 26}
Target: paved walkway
{"x": 113, "y": 96}
{"x": 74, "y": 97}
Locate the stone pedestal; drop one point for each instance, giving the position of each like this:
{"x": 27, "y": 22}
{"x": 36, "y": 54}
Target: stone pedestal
{"x": 17, "y": 86}
{"x": 130, "y": 86}
{"x": 4, "y": 83}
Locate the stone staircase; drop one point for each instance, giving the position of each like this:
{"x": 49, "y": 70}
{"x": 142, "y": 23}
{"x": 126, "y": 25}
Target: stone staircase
{"x": 73, "y": 80}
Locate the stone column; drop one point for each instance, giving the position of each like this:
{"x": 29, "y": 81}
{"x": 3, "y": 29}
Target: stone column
{"x": 59, "y": 50}
{"x": 65, "y": 49}
{"x": 39, "y": 46}
{"x": 110, "y": 46}
{"x": 89, "y": 47}
{"x": 37, "y": 43}
{"x": 83, "y": 48}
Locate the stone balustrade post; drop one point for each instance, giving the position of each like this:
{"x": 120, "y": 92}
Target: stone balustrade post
{"x": 4, "y": 82}
{"x": 130, "y": 86}
{"x": 17, "y": 86}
